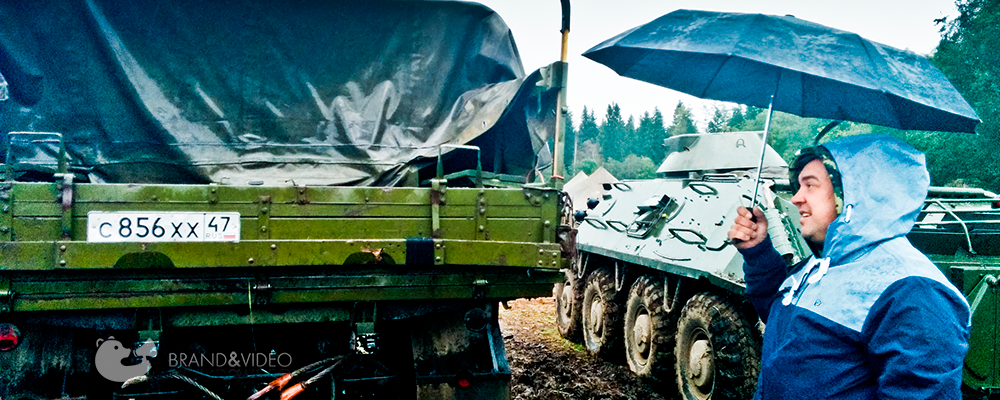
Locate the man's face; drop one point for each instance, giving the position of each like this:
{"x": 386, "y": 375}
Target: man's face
{"x": 815, "y": 200}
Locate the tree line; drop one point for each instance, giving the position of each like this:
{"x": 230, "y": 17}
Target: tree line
{"x": 631, "y": 149}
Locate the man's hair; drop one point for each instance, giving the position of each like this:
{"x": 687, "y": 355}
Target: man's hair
{"x": 807, "y": 155}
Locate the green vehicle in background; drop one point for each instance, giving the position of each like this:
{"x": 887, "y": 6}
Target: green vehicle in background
{"x": 959, "y": 230}
{"x": 251, "y": 199}
{"x": 656, "y": 283}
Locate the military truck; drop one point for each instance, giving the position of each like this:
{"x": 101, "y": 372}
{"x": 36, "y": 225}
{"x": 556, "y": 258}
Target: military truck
{"x": 254, "y": 199}
{"x": 657, "y": 284}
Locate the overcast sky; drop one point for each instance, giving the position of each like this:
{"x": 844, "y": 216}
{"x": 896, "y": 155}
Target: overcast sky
{"x": 905, "y": 24}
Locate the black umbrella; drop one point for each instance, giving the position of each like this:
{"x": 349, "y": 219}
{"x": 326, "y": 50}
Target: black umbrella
{"x": 788, "y": 64}
{"x": 812, "y": 70}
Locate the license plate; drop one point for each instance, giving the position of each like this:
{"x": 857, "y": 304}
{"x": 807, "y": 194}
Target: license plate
{"x": 137, "y": 226}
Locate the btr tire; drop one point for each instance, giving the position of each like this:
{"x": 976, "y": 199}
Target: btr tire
{"x": 717, "y": 351}
{"x": 649, "y": 330}
{"x": 601, "y": 315}
{"x": 569, "y": 300}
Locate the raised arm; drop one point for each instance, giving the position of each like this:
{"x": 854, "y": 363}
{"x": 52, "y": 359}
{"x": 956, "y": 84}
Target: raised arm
{"x": 763, "y": 269}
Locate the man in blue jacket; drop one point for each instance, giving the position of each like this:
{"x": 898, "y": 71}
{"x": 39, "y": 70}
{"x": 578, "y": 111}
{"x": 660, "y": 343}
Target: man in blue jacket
{"x": 867, "y": 316}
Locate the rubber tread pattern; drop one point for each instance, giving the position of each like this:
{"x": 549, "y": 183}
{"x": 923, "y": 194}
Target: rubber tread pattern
{"x": 569, "y": 326}
{"x": 601, "y": 285}
{"x": 647, "y": 294}
{"x": 735, "y": 343}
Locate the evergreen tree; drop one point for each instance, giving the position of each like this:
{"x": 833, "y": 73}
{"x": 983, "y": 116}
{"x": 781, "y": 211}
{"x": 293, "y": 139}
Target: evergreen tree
{"x": 737, "y": 120}
{"x": 612, "y": 132}
{"x": 650, "y": 135}
{"x": 642, "y": 134}
{"x": 629, "y": 142}
{"x": 659, "y": 134}
{"x": 683, "y": 121}
{"x": 570, "y": 143}
{"x": 720, "y": 120}
{"x": 588, "y": 126}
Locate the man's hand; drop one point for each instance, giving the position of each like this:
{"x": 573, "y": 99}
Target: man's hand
{"x": 749, "y": 229}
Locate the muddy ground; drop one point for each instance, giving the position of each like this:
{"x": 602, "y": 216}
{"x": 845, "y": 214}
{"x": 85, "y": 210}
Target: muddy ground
{"x": 546, "y": 366}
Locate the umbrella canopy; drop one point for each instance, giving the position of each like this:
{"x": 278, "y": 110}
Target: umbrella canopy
{"x": 810, "y": 69}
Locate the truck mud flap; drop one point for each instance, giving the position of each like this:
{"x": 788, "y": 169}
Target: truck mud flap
{"x": 461, "y": 357}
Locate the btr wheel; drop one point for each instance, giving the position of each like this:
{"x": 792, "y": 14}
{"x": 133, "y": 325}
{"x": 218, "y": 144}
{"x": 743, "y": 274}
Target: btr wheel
{"x": 717, "y": 351}
{"x": 601, "y": 314}
{"x": 569, "y": 299}
{"x": 649, "y": 330}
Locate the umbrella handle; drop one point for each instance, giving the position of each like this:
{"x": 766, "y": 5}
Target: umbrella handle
{"x": 753, "y": 217}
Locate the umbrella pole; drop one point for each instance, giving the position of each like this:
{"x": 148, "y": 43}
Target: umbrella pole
{"x": 763, "y": 149}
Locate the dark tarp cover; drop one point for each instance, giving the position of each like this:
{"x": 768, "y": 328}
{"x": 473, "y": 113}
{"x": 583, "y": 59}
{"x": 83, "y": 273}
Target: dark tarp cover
{"x": 237, "y": 91}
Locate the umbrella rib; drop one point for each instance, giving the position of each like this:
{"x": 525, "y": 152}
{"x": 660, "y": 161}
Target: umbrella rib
{"x": 729, "y": 57}
{"x": 880, "y": 87}
{"x": 714, "y": 75}
{"x": 868, "y": 53}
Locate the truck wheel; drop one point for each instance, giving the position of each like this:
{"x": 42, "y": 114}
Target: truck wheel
{"x": 601, "y": 314}
{"x": 649, "y": 330}
{"x": 569, "y": 298}
{"x": 718, "y": 353}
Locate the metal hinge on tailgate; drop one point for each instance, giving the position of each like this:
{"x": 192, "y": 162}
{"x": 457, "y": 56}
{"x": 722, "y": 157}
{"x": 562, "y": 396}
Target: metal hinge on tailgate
{"x": 64, "y": 184}
{"x": 261, "y": 292}
{"x": 438, "y": 188}
{"x": 264, "y": 217}
{"x": 301, "y": 195}
{"x": 480, "y": 288}
{"x": 439, "y": 185}
{"x": 6, "y": 296}
{"x": 6, "y": 232}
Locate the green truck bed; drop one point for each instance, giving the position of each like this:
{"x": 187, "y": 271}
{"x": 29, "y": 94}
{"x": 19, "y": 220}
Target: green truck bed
{"x": 311, "y": 244}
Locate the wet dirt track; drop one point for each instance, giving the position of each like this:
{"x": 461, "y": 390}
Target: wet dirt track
{"x": 546, "y": 366}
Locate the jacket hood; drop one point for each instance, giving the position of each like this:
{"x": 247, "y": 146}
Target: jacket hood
{"x": 885, "y": 182}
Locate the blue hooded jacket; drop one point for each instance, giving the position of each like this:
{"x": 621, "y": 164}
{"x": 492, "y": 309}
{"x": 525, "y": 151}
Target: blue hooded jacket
{"x": 871, "y": 317}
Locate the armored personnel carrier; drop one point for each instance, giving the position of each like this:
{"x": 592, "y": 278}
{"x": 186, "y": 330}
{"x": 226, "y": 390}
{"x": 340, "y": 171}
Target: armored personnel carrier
{"x": 656, "y": 283}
